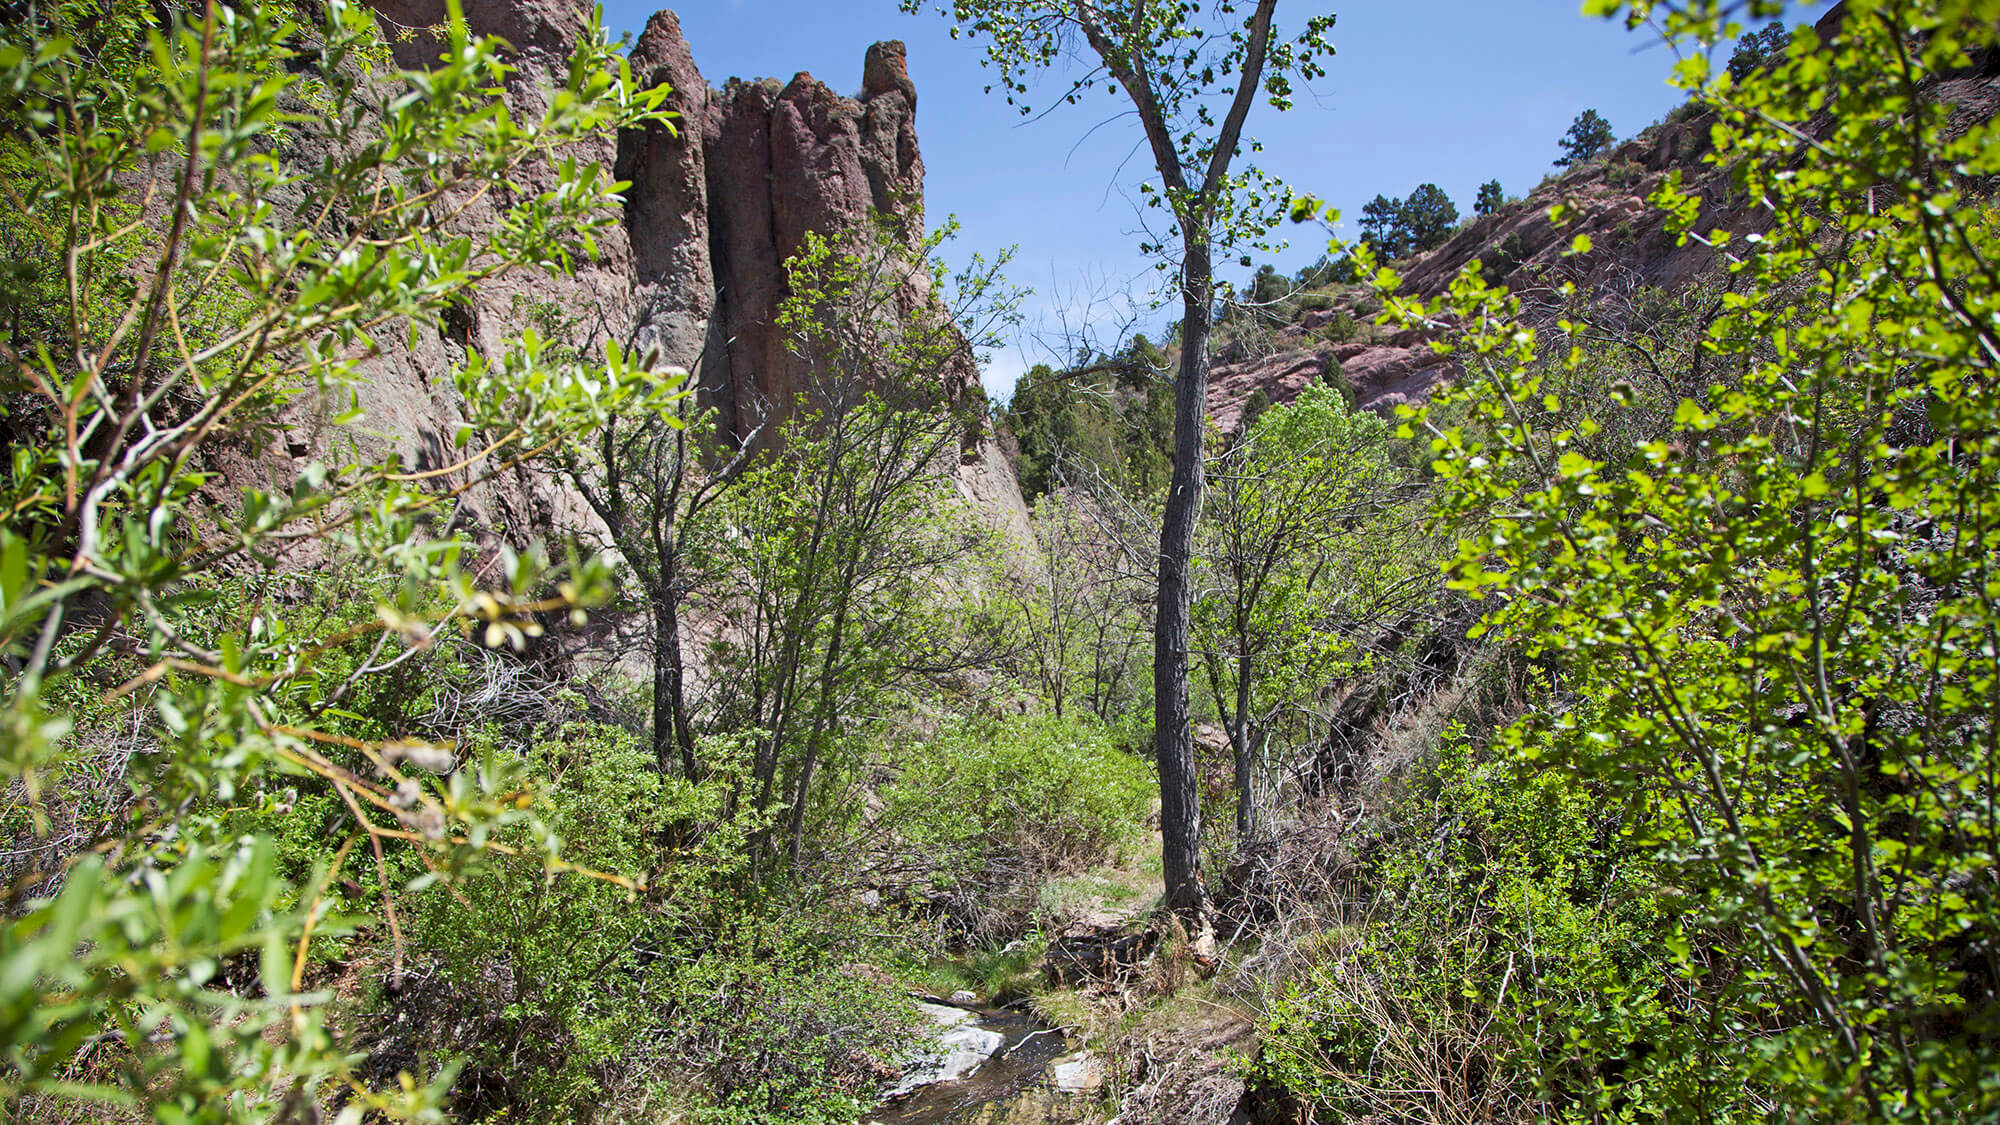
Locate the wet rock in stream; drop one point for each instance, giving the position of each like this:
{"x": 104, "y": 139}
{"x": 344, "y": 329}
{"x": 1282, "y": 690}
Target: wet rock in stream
{"x": 1012, "y": 1085}
{"x": 962, "y": 1047}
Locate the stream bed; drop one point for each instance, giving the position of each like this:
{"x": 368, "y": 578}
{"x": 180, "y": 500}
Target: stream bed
{"x": 1013, "y": 1087}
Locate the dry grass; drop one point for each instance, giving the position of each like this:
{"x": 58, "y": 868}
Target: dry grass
{"x": 1431, "y": 1063}
{"x": 51, "y": 817}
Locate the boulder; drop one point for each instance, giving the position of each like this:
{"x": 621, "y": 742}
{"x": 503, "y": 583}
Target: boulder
{"x": 1080, "y": 1073}
{"x": 961, "y": 1047}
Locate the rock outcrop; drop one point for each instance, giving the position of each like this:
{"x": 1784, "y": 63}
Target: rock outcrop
{"x": 1524, "y": 248}
{"x": 719, "y": 200}
{"x": 408, "y": 402}
{"x": 667, "y": 210}
{"x": 780, "y": 163}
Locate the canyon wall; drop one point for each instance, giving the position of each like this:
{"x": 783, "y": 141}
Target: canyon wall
{"x": 718, "y": 201}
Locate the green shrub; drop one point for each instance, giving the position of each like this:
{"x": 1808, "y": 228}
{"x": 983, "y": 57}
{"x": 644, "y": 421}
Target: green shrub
{"x": 776, "y": 1033}
{"x": 1512, "y": 965}
{"x": 1005, "y": 804}
{"x": 157, "y": 345}
{"x": 1624, "y": 173}
{"x": 536, "y": 984}
{"x": 1784, "y": 602}
{"x": 1505, "y": 258}
{"x": 574, "y": 999}
{"x": 1341, "y": 329}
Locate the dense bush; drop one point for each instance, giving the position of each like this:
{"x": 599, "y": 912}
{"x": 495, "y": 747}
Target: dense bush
{"x": 1003, "y": 804}
{"x": 573, "y": 999}
{"x": 539, "y": 986}
{"x": 1340, "y": 328}
{"x": 1105, "y": 421}
{"x": 149, "y": 347}
{"x": 1512, "y": 963}
{"x": 1760, "y": 570}
{"x": 776, "y": 1032}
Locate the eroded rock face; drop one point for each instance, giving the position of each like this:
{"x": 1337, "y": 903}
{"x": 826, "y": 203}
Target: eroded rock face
{"x": 719, "y": 200}
{"x": 783, "y": 162}
{"x": 718, "y": 206}
{"x": 410, "y": 405}
{"x": 667, "y": 206}
{"x": 1632, "y": 250}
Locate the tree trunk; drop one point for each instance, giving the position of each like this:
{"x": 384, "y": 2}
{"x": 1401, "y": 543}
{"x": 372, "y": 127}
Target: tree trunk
{"x": 822, "y": 718}
{"x": 1239, "y": 744}
{"x": 1195, "y": 213}
{"x": 672, "y": 731}
{"x": 1173, "y": 739}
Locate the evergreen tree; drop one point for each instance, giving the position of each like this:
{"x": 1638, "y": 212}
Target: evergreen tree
{"x": 1382, "y": 226}
{"x": 1489, "y": 198}
{"x": 1269, "y": 285}
{"x": 1589, "y": 135}
{"x": 1427, "y": 217}
{"x": 1756, "y": 49}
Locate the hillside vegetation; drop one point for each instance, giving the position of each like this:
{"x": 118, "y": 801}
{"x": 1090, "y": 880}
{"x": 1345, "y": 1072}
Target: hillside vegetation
{"x": 1593, "y": 639}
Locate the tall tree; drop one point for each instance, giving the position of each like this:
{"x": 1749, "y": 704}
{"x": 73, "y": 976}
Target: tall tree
{"x": 852, "y": 518}
{"x": 1490, "y": 198}
{"x": 1589, "y": 135}
{"x": 1282, "y": 560}
{"x": 1429, "y": 217}
{"x": 1382, "y": 226}
{"x": 641, "y": 473}
{"x": 1172, "y": 60}
{"x": 1757, "y": 50}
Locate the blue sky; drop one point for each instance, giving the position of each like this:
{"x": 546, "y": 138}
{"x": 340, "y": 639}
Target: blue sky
{"x": 1453, "y": 92}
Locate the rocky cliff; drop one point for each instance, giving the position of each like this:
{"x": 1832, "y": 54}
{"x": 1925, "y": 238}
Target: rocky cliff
{"x": 718, "y": 202}
{"x": 1520, "y": 246}
{"x": 1524, "y": 248}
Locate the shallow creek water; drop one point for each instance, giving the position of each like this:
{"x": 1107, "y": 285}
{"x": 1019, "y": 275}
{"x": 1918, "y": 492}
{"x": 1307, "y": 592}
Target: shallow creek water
{"x": 1011, "y": 1088}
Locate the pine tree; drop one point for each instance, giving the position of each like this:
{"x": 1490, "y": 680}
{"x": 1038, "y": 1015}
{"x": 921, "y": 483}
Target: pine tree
{"x": 1589, "y": 135}
{"x": 1382, "y": 226}
{"x": 1428, "y": 217}
{"x": 1489, "y": 198}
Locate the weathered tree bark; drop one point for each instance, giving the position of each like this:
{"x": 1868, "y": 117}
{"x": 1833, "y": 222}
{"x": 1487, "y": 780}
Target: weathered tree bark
{"x": 1173, "y": 735}
{"x": 642, "y": 491}
{"x": 1195, "y": 210}
{"x": 673, "y": 731}
{"x": 1239, "y": 741}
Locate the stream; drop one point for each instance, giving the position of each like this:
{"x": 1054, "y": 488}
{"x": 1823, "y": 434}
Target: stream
{"x": 1013, "y": 1087}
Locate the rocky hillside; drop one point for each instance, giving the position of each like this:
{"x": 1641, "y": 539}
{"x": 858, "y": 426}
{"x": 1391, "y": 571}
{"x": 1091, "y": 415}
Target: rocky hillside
{"x": 1521, "y": 246}
{"x": 717, "y": 204}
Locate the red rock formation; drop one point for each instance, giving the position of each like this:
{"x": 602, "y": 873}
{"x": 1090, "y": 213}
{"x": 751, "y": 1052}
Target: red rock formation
{"x": 718, "y": 202}
{"x": 1522, "y": 247}
{"x": 782, "y": 163}
{"x": 667, "y": 208}
{"x": 409, "y": 403}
